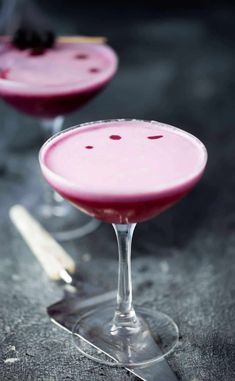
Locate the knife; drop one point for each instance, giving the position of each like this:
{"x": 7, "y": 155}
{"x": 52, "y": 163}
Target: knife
{"x": 78, "y": 296}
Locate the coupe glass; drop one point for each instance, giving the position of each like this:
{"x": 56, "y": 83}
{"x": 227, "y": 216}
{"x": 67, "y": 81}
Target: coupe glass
{"x": 49, "y": 103}
{"x": 131, "y": 336}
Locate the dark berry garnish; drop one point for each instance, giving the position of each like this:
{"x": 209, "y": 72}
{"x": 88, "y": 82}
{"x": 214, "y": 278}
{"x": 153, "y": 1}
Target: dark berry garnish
{"x": 28, "y": 38}
{"x": 20, "y": 38}
{"x": 34, "y": 40}
{"x": 48, "y": 39}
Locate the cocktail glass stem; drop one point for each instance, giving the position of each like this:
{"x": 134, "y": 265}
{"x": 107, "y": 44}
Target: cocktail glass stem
{"x": 51, "y": 126}
{"x": 133, "y": 338}
{"x": 125, "y": 314}
{"x": 53, "y": 202}
{"x": 60, "y": 218}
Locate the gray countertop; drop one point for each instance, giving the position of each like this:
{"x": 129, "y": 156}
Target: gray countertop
{"x": 175, "y": 69}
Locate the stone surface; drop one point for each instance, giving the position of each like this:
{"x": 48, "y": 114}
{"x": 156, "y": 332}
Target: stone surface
{"x": 174, "y": 69}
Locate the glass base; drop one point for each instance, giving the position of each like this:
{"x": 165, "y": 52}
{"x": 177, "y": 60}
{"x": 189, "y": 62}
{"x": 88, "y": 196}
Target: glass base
{"x": 155, "y": 336}
{"x": 63, "y": 221}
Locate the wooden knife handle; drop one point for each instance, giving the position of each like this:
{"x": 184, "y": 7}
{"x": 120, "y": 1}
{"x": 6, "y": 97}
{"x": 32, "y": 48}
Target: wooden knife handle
{"x": 51, "y": 255}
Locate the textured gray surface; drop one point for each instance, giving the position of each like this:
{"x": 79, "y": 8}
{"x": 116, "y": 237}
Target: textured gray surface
{"x": 172, "y": 69}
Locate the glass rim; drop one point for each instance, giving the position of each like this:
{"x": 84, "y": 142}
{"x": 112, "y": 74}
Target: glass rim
{"x": 163, "y": 190}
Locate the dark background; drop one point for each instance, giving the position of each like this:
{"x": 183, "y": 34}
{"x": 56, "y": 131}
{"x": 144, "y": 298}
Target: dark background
{"x": 177, "y": 65}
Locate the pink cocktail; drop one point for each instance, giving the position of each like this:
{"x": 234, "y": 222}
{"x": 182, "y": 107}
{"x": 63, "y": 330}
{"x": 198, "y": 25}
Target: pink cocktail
{"x": 124, "y": 172}
{"x": 49, "y": 84}
{"x": 56, "y": 81}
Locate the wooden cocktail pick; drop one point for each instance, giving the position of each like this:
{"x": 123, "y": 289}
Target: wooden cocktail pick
{"x": 85, "y": 39}
{"x": 68, "y": 39}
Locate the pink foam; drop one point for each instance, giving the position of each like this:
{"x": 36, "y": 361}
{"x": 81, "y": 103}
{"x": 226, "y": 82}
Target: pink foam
{"x": 57, "y": 81}
{"x": 133, "y": 177}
